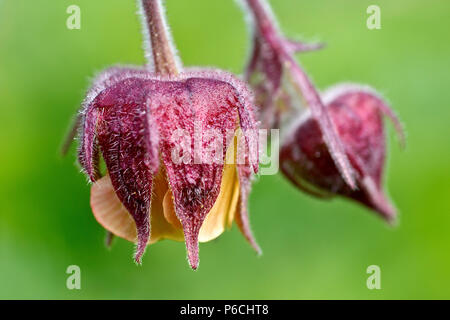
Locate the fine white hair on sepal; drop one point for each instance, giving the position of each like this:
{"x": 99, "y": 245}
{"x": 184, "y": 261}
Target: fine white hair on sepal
{"x": 148, "y": 51}
{"x": 105, "y": 79}
{"x": 338, "y": 90}
{"x": 329, "y": 95}
{"x": 333, "y": 92}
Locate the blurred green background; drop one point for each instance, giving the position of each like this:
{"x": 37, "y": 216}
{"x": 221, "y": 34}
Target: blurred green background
{"x": 312, "y": 249}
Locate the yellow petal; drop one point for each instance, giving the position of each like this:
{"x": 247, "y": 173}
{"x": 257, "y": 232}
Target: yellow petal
{"x": 112, "y": 215}
{"x": 161, "y": 228}
{"x": 234, "y": 201}
{"x": 109, "y": 211}
{"x": 169, "y": 210}
{"x": 223, "y": 211}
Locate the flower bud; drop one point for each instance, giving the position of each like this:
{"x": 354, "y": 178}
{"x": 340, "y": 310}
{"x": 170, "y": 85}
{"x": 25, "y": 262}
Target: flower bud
{"x": 357, "y": 113}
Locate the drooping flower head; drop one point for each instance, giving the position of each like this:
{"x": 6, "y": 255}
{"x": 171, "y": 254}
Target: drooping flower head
{"x": 280, "y": 83}
{"x": 357, "y": 112}
{"x": 152, "y": 127}
{"x": 338, "y": 147}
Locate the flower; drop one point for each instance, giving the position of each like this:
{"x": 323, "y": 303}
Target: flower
{"x": 357, "y": 113}
{"x": 336, "y": 147}
{"x": 153, "y": 188}
{"x": 279, "y": 82}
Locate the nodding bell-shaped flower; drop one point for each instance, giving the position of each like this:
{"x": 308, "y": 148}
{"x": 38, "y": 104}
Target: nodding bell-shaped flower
{"x": 337, "y": 147}
{"x": 167, "y": 176}
{"x": 357, "y": 113}
{"x": 280, "y": 84}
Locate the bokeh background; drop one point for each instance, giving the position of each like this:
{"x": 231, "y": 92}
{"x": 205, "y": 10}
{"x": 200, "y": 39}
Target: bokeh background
{"x": 312, "y": 249}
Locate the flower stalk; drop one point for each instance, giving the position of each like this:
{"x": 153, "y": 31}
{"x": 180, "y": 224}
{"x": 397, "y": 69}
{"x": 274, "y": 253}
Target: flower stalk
{"x": 162, "y": 51}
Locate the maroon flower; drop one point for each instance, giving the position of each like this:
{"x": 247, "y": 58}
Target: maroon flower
{"x": 130, "y": 118}
{"x": 357, "y": 113}
{"x": 338, "y": 146}
{"x": 280, "y": 83}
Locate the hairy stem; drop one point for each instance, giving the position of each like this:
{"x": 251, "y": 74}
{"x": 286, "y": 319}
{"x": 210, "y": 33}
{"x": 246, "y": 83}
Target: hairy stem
{"x": 161, "y": 47}
{"x": 268, "y": 31}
